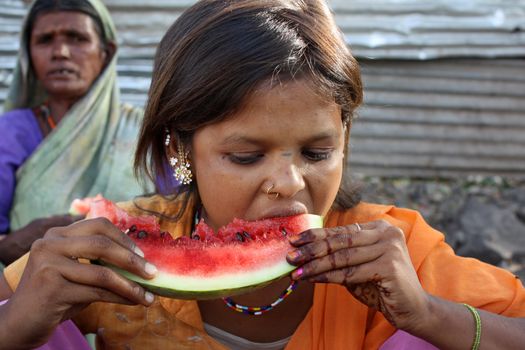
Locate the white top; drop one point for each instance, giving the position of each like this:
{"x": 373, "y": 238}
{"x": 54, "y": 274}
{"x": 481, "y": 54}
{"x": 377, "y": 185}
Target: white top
{"x": 237, "y": 343}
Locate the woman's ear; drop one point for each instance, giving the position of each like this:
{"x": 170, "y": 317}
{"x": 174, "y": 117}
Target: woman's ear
{"x": 109, "y": 51}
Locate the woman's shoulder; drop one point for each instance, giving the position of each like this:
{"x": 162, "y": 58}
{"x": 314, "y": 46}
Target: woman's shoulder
{"x": 20, "y": 132}
{"x": 18, "y": 118}
{"x": 166, "y": 208}
{"x": 150, "y": 204}
{"x": 362, "y": 212}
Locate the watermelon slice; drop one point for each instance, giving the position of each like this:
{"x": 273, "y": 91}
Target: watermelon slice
{"x": 240, "y": 257}
{"x": 82, "y": 206}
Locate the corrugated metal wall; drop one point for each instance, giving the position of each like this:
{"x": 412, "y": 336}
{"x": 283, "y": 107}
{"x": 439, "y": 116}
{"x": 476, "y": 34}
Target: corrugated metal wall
{"x": 442, "y": 118}
{"x": 444, "y": 80}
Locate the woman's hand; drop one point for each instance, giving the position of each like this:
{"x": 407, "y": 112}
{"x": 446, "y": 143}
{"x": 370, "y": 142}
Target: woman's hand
{"x": 371, "y": 260}
{"x": 55, "y": 286}
{"x": 17, "y": 243}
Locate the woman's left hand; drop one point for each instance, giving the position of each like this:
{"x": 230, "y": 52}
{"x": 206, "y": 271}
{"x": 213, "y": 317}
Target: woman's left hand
{"x": 371, "y": 260}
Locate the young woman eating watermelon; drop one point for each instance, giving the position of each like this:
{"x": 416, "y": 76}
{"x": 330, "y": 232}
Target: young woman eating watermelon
{"x": 258, "y": 96}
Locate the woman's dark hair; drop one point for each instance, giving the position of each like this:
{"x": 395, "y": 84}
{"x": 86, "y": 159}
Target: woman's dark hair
{"x": 218, "y": 52}
{"x": 83, "y": 6}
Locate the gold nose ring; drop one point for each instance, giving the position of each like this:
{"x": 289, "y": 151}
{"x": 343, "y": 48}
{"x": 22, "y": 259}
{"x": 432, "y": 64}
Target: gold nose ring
{"x": 272, "y": 195}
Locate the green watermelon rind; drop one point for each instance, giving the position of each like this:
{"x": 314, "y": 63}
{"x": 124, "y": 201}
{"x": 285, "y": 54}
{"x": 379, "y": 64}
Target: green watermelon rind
{"x": 202, "y": 288}
{"x": 177, "y": 287}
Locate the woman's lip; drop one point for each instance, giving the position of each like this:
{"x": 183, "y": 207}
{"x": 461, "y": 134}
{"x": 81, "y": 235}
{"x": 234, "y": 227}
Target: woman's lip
{"x": 286, "y": 211}
{"x": 62, "y": 71}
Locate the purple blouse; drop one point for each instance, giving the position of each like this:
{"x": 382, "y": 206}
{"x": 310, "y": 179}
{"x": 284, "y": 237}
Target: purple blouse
{"x": 401, "y": 340}
{"x": 20, "y": 135}
{"x": 65, "y": 336}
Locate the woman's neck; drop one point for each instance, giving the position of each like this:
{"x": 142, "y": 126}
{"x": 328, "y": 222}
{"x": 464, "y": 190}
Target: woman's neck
{"x": 278, "y": 323}
{"x": 59, "y": 107}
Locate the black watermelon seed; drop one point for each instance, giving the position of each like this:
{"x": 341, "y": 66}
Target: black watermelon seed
{"x": 240, "y": 237}
{"x": 246, "y": 235}
{"x": 133, "y": 228}
{"x": 283, "y": 231}
{"x": 196, "y": 237}
{"x": 142, "y": 234}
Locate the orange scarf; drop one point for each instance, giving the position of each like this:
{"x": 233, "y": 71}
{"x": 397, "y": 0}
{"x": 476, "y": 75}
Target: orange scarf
{"x": 336, "y": 320}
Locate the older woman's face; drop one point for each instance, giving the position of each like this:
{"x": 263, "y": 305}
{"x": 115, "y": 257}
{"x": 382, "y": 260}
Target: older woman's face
{"x": 286, "y": 136}
{"x": 66, "y": 53}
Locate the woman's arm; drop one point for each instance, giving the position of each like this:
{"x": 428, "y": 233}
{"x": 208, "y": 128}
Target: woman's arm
{"x": 5, "y": 290}
{"x": 17, "y": 243}
{"x": 372, "y": 261}
{"x": 452, "y": 326}
{"x": 55, "y": 286}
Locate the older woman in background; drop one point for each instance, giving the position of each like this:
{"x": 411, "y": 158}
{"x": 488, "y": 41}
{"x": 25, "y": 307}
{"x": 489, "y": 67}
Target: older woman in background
{"x": 65, "y": 134}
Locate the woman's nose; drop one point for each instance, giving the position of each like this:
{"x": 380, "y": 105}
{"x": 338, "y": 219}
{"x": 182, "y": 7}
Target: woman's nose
{"x": 288, "y": 179}
{"x": 61, "y": 50}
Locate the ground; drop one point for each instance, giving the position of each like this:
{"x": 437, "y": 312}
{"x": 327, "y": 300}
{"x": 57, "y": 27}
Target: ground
{"x": 481, "y": 216}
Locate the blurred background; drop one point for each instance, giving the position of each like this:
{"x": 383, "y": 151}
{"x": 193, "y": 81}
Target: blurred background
{"x": 443, "y": 125}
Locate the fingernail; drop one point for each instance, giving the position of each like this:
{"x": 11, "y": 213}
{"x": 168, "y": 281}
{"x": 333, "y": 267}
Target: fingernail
{"x": 297, "y": 273}
{"x": 149, "y": 297}
{"x": 150, "y": 269}
{"x": 294, "y": 254}
{"x": 294, "y": 239}
{"x": 138, "y": 251}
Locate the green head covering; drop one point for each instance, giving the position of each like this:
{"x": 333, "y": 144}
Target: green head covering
{"x": 25, "y": 90}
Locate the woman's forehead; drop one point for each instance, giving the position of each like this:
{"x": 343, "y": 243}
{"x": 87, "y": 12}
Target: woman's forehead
{"x": 56, "y": 20}
{"x": 272, "y": 97}
{"x": 278, "y": 112}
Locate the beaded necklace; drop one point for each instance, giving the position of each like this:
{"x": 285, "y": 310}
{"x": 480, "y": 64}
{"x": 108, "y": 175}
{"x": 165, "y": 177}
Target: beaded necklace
{"x": 43, "y": 112}
{"x": 252, "y": 310}
{"x": 259, "y": 310}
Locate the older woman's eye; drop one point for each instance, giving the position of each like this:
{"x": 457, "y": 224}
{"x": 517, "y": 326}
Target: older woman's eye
{"x": 44, "y": 39}
{"x": 77, "y": 37}
{"x": 244, "y": 159}
{"x": 317, "y": 155}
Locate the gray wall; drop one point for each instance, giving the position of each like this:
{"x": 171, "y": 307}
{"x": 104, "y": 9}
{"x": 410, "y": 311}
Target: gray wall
{"x": 444, "y": 80}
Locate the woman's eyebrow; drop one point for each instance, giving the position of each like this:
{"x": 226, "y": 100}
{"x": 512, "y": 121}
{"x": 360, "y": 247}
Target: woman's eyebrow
{"x": 321, "y": 136}
{"x": 238, "y": 138}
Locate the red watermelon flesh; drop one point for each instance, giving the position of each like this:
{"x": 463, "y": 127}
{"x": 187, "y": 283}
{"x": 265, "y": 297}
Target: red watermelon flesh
{"x": 240, "y": 257}
{"x": 98, "y": 206}
{"x": 82, "y": 206}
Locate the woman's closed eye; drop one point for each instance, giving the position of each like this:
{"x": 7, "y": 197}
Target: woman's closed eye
{"x": 317, "y": 154}
{"x": 245, "y": 158}
{"x": 43, "y": 39}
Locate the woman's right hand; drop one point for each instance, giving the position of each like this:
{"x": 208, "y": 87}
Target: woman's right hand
{"x": 17, "y": 243}
{"x": 55, "y": 286}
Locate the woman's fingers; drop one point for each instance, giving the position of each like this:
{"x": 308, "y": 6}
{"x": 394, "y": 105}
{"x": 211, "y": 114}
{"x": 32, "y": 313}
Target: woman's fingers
{"x": 104, "y": 285}
{"x": 347, "y": 257}
{"x": 349, "y": 275}
{"x": 317, "y": 234}
{"x": 317, "y": 243}
{"x": 97, "y": 247}
{"x": 97, "y": 226}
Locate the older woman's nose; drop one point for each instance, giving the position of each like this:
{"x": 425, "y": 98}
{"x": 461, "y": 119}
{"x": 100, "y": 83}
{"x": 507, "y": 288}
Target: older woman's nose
{"x": 61, "y": 50}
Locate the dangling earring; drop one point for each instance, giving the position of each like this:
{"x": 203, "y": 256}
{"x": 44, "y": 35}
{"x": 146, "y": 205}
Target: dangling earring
{"x": 180, "y": 164}
{"x": 168, "y": 138}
